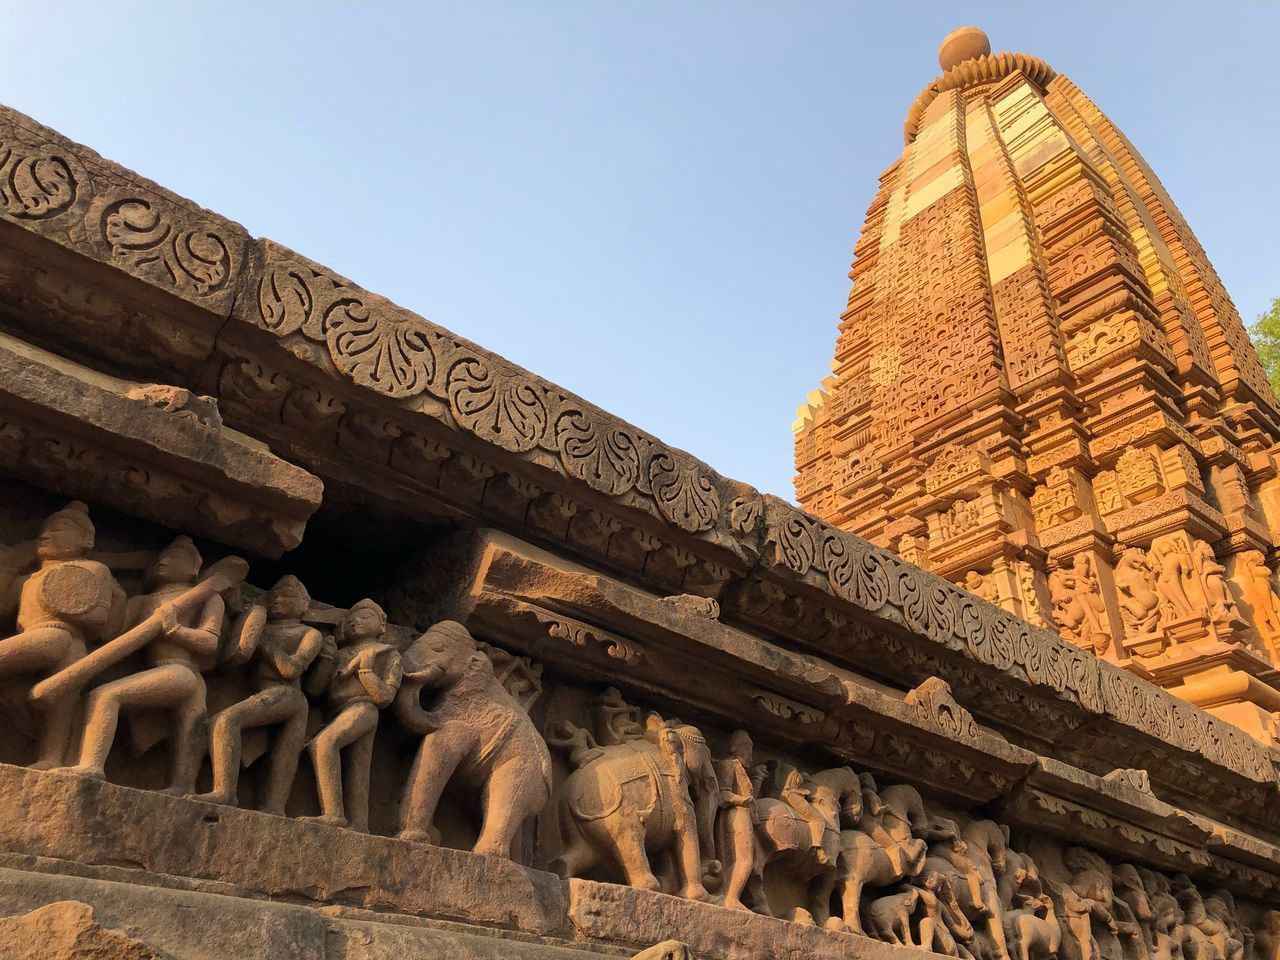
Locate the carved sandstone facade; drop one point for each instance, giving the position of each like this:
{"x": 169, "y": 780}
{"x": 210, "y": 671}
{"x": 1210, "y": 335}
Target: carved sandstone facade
{"x": 356, "y": 641}
{"x": 1042, "y": 392}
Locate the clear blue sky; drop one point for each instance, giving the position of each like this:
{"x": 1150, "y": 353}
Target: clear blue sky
{"x": 651, "y": 203}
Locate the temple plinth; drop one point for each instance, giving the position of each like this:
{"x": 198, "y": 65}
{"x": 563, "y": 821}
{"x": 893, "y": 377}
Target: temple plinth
{"x": 1042, "y": 391}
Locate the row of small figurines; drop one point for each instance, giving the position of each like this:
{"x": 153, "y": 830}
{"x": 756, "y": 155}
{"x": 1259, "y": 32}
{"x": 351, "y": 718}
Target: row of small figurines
{"x": 896, "y": 871}
{"x": 954, "y": 890}
{"x": 75, "y": 624}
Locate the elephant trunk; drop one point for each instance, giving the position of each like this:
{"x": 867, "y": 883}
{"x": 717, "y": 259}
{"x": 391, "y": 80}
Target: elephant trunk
{"x": 409, "y": 701}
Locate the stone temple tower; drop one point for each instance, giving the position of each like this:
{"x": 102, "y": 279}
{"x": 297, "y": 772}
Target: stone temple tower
{"x": 1042, "y": 391}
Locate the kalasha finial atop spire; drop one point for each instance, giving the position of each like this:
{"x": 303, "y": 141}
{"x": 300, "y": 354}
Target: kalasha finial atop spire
{"x": 966, "y": 43}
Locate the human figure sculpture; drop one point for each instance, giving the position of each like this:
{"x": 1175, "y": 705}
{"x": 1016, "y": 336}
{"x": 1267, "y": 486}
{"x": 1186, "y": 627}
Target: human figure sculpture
{"x": 1255, "y": 580}
{"x": 1077, "y": 915}
{"x": 944, "y": 928}
{"x": 1139, "y": 604}
{"x": 1078, "y": 608}
{"x": 986, "y": 848}
{"x": 982, "y": 585}
{"x": 1172, "y": 566}
{"x": 475, "y": 730}
{"x": 1219, "y": 604}
{"x": 616, "y": 720}
{"x": 281, "y": 647}
{"x": 626, "y": 801}
{"x": 800, "y": 832}
{"x": 361, "y": 679}
{"x": 1132, "y": 893}
{"x": 1020, "y": 877}
{"x": 186, "y": 643}
{"x": 736, "y": 822}
{"x": 955, "y": 859}
{"x": 1166, "y": 927}
{"x": 887, "y": 846}
{"x": 1222, "y": 926}
{"x": 65, "y": 606}
{"x": 1266, "y": 934}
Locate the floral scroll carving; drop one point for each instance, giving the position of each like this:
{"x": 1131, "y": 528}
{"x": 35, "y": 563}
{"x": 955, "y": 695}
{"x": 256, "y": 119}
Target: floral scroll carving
{"x": 141, "y": 234}
{"x": 35, "y": 184}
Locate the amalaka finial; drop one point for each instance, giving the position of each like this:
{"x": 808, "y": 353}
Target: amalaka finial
{"x": 966, "y": 43}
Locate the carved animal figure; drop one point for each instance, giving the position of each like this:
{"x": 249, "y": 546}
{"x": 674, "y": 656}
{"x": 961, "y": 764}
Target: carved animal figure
{"x": 1032, "y": 931}
{"x": 626, "y": 801}
{"x": 887, "y": 847}
{"x": 807, "y": 848}
{"x": 475, "y": 730}
{"x": 888, "y": 918}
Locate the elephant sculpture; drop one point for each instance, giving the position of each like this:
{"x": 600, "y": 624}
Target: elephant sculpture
{"x": 626, "y": 801}
{"x": 474, "y": 730}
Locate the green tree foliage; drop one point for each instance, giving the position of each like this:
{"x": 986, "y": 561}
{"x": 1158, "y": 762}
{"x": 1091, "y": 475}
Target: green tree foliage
{"x": 1266, "y": 337}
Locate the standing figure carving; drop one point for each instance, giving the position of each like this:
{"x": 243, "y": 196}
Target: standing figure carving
{"x": 474, "y": 730}
{"x": 1171, "y": 564}
{"x": 736, "y": 822}
{"x": 68, "y": 604}
{"x": 362, "y": 678}
{"x": 1139, "y": 604}
{"x": 1219, "y": 605}
{"x": 179, "y": 623}
{"x": 626, "y": 801}
{"x": 1259, "y": 594}
{"x": 281, "y": 647}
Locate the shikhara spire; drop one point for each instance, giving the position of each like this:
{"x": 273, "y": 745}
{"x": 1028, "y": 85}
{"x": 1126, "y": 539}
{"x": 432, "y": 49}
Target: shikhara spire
{"x": 1042, "y": 391}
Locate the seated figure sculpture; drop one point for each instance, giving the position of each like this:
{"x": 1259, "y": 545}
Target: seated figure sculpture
{"x": 67, "y": 604}
{"x": 190, "y": 624}
{"x": 362, "y": 678}
{"x": 282, "y": 647}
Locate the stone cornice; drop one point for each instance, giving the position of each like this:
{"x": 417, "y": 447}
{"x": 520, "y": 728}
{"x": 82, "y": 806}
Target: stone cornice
{"x": 374, "y": 380}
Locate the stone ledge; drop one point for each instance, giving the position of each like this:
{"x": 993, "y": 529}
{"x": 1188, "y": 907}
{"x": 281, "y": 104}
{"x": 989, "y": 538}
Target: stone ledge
{"x": 604, "y": 911}
{"x": 66, "y": 817}
{"x": 368, "y": 897}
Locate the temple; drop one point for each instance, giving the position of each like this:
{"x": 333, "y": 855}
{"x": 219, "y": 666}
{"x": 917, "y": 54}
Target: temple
{"x": 328, "y": 634}
{"x": 1042, "y": 392}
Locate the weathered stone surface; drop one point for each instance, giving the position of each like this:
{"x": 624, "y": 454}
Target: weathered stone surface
{"x": 78, "y": 431}
{"x": 67, "y": 931}
{"x": 620, "y": 915}
{"x": 174, "y": 924}
{"x": 71, "y": 818}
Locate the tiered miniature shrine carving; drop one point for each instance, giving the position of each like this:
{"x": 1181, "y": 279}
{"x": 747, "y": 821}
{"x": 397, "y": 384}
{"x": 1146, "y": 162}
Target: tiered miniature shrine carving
{"x": 1041, "y": 390}
{"x": 354, "y": 641}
